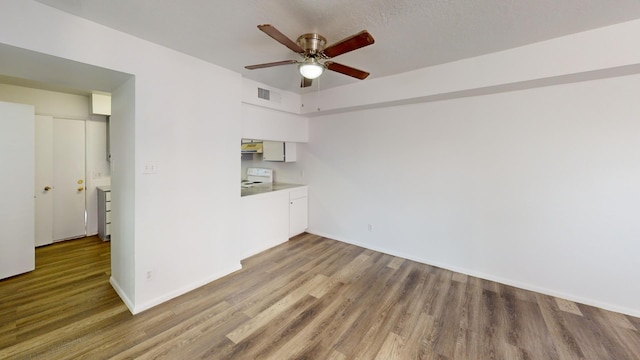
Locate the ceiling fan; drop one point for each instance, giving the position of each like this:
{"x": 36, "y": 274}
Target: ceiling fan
{"x": 315, "y": 55}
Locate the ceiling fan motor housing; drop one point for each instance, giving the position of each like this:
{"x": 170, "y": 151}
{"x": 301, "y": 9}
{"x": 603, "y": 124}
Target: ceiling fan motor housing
{"x": 312, "y": 43}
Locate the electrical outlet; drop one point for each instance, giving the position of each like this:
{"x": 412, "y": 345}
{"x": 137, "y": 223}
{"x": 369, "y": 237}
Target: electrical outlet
{"x": 370, "y": 227}
{"x": 149, "y": 275}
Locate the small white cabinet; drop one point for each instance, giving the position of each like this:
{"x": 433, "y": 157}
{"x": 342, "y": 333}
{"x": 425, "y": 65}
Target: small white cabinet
{"x": 278, "y": 151}
{"x": 104, "y": 212}
{"x": 298, "y": 211}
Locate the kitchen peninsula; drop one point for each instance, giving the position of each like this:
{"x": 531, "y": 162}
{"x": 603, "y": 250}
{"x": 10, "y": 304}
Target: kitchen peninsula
{"x": 274, "y": 211}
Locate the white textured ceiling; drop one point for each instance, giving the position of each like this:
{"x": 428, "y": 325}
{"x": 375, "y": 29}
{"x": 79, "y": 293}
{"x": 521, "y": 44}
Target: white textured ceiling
{"x": 409, "y": 34}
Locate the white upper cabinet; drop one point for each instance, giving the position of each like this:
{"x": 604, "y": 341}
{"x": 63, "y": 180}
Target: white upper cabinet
{"x": 278, "y": 151}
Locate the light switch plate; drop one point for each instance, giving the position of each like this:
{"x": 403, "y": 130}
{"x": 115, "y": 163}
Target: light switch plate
{"x": 150, "y": 167}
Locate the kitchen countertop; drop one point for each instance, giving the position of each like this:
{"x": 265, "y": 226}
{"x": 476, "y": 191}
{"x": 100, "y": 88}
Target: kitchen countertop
{"x": 266, "y": 188}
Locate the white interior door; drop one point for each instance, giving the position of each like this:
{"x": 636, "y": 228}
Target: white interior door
{"x": 69, "y": 217}
{"x": 17, "y": 213}
{"x": 44, "y": 180}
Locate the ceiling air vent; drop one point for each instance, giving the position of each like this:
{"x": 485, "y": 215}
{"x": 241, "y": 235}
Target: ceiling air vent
{"x": 263, "y": 94}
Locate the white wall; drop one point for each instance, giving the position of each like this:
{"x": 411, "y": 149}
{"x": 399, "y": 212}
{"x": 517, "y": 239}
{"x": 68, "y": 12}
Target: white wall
{"x": 51, "y": 103}
{"x": 70, "y": 106}
{"x": 284, "y": 172}
{"x": 536, "y": 188}
{"x": 279, "y": 99}
{"x": 123, "y": 195}
{"x": 182, "y": 221}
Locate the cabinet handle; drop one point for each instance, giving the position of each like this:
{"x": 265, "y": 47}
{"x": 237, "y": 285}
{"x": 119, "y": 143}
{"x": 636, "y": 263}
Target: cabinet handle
{"x": 47, "y": 188}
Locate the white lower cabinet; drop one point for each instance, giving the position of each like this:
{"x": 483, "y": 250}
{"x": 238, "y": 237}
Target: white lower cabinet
{"x": 272, "y": 218}
{"x": 298, "y": 211}
{"x": 104, "y": 212}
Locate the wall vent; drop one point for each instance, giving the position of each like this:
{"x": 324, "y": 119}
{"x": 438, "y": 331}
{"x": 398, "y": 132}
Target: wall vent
{"x": 264, "y": 94}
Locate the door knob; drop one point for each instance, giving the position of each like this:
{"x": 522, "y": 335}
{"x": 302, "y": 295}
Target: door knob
{"x": 47, "y": 188}
{"x": 80, "y": 188}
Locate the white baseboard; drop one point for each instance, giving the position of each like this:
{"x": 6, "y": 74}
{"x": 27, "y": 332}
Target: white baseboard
{"x": 168, "y": 296}
{"x": 498, "y": 279}
{"x": 121, "y": 293}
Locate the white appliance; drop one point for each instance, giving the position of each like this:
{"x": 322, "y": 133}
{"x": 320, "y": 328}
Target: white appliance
{"x": 257, "y": 176}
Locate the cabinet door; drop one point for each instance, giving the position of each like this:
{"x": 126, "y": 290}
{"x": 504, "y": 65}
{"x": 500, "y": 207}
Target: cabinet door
{"x": 298, "y": 216}
{"x": 69, "y": 201}
{"x": 44, "y": 180}
{"x": 290, "y": 154}
{"x": 104, "y": 214}
{"x": 272, "y": 151}
{"x": 17, "y": 210}
{"x": 278, "y": 151}
{"x": 268, "y": 225}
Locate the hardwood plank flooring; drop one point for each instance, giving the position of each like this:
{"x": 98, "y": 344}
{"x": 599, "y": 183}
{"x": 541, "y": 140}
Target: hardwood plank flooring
{"x": 310, "y": 298}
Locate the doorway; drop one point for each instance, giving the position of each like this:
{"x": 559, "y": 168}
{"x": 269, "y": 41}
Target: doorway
{"x": 51, "y": 73}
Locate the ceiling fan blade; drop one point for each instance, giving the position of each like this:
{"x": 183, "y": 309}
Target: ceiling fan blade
{"x": 304, "y": 82}
{"x": 346, "y": 70}
{"x": 266, "y": 65}
{"x": 361, "y": 39}
{"x": 280, "y": 37}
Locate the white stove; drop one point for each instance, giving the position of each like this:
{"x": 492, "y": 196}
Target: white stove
{"x": 257, "y": 176}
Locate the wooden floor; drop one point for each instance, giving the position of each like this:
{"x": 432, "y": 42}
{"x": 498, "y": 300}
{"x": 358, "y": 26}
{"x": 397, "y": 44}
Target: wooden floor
{"x": 310, "y": 298}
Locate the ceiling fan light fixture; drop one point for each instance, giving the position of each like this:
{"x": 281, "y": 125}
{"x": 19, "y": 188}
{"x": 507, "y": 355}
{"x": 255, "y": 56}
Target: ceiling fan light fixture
{"x": 311, "y": 68}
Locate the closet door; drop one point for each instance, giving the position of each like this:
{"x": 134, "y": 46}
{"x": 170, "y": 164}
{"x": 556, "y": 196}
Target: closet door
{"x": 17, "y": 213}
{"x": 44, "y": 180}
{"x": 60, "y": 183}
{"x": 69, "y": 218}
